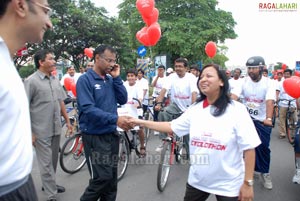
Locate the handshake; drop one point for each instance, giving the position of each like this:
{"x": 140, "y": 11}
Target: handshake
{"x": 126, "y": 122}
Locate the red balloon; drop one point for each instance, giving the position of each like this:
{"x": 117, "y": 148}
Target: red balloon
{"x": 154, "y": 33}
{"x": 142, "y": 36}
{"x": 283, "y": 67}
{"x": 88, "y": 52}
{"x": 211, "y": 49}
{"x": 292, "y": 86}
{"x": 73, "y": 88}
{"x": 145, "y": 7}
{"x": 297, "y": 73}
{"x": 152, "y": 18}
{"x": 68, "y": 82}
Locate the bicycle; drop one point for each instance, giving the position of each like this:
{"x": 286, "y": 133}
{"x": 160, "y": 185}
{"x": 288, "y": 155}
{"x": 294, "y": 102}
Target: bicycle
{"x": 72, "y": 157}
{"x": 127, "y": 144}
{"x": 290, "y": 123}
{"x": 173, "y": 146}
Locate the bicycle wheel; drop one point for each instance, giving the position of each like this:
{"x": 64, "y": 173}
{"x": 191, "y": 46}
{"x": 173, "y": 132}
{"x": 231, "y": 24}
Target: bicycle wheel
{"x": 164, "y": 166}
{"x": 123, "y": 156}
{"x": 73, "y": 161}
{"x": 290, "y": 128}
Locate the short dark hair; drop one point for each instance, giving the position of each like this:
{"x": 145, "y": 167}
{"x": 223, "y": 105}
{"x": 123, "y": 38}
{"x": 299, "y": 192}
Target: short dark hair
{"x": 41, "y": 56}
{"x": 238, "y": 70}
{"x": 288, "y": 71}
{"x": 265, "y": 70}
{"x": 140, "y": 70}
{"x": 182, "y": 60}
{"x": 224, "y": 98}
{"x": 101, "y": 49}
{"x": 195, "y": 66}
{"x": 162, "y": 66}
{"x": 131, "y": 70}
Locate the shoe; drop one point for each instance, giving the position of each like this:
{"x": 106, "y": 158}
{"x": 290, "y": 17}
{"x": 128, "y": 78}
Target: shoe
{"x": 281, "y": 136}
{"x": 159, "y": 148}
{"x": 60, "y": 189}
{"x": 156, "y": 133}
{"x": 296, "y": 178}
{"x": 266, "y": 177}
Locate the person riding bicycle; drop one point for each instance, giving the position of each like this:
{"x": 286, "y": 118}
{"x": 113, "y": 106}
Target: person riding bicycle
{"x": 283, "y": 104}
{"x": 259, "y": 96}
{"x": 183, "y": 93}
{"x": 134, "y": 92}
{"x": 223, "y": 138}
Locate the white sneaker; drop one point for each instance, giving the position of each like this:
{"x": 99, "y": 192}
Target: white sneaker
{"x": 266, "y": 177}
{"x": 296, "y": 178}
{"x": 156, "y": 133}
{"x": 159, "y": 148}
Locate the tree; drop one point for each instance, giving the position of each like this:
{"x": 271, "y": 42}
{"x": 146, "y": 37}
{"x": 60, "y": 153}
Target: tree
{"x": 187, "y": 25}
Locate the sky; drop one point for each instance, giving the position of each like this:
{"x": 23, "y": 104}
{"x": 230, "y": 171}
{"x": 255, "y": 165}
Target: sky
{"x": 270, "y": 34}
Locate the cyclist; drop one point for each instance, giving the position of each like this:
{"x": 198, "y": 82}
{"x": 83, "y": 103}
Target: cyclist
{"x": 222, "y": 156}
{"x": 157, "y": 84}
{"x": 259, "y": 95}
{"x": 283, "y": 105}
{"x": 143, "y": 83}
{"x": 183, "y": 92}
{"x": 134, "y": 91}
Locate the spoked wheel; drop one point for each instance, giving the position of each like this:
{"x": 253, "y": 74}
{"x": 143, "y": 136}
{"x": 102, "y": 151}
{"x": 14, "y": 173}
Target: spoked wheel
{"x": 73, "y": 158}
{"x": 290, "y": 129}
{"x": 164, "y": 166}
{"x": 123, "y": 156}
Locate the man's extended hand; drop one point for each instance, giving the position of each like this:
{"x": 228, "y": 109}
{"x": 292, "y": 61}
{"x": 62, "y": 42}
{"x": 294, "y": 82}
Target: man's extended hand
{"x": 124, "y": 122}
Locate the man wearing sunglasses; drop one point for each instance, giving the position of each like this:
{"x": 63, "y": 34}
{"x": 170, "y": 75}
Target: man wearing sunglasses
{"x": 21, "y": 22}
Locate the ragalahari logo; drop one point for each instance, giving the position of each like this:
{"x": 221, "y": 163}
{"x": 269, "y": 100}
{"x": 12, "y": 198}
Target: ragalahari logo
{"x": 277, "y": 7}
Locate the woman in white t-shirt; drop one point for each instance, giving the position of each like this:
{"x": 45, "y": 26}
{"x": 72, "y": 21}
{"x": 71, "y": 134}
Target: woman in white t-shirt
{"x": 222, "y": 131}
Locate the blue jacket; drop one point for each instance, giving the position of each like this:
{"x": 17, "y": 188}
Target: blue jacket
{"x": 97, "y": 100}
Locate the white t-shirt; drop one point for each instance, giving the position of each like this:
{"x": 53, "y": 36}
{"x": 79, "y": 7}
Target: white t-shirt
{"x": 16, "y": 143}
{"x": 216, "y": 146}
{"x": 235, "y": 83}
{"x": 255, "y": 95}
{"x": 158, "y": 87}
{"x": 284, "y": 95}
{"x": 143, "y": 83}
{"x": 181, "y": 89}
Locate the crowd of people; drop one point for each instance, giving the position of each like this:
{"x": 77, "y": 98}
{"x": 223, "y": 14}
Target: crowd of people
{"x": 242, "y": 108}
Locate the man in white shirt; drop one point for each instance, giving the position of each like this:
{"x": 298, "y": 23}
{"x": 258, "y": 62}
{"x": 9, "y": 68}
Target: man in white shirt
{"x": 259, "y": 96}
{"x": 71, "y": 73}
{"x": 282, "y": 98}
{"x": 21, "y": 22}
{"x": 157, "y": 84}
{"x": 143, "y": 83}
{"x": 183, "y": 93}
{"x": 236, "y": 81}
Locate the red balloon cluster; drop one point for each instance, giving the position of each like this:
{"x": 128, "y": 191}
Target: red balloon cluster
{"x": 70, "y": 85}
{"x": 88, "y": 52}
{"x": 283, "y": 66}
{"x": 292, "y": 86}
{"x": 211, "y": 49}
{"x": 151, "y": 33}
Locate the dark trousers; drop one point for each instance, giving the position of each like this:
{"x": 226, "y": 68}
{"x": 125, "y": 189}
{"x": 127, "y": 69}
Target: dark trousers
{"x": 26, "y": 192}
{"x": 263, "y": 152}
{"x": 193, "y": 194}
{"x": 101, "y": 152}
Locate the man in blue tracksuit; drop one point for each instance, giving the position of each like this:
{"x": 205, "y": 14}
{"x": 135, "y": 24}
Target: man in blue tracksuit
{"x": 98, "y": 92}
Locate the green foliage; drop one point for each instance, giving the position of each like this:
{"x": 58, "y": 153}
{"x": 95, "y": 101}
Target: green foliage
{"x": 187, "y": 25}
{"x": 25, "y": 71}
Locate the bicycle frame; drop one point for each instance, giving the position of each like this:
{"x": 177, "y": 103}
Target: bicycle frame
{"x": 290, "y": 121}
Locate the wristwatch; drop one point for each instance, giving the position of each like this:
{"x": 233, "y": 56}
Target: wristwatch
{"x": 270, "y": 119}
{"x": 249, "y": 182}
